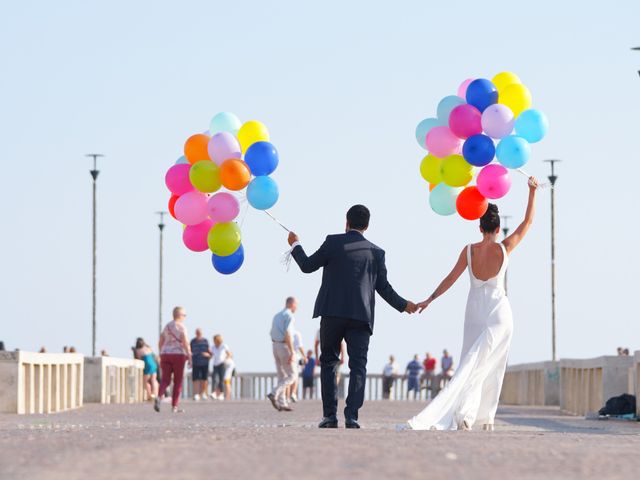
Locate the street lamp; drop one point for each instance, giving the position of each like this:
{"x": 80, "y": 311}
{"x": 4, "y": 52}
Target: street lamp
{"x": 94, "y": 174}
{"x": 552, "y": 179}
{"x": 161, "y": 228}
{"x": 505, "y": 230}
{"x": 636, "y": 48}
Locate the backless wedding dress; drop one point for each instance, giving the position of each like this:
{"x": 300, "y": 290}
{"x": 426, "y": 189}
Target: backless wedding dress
{"x": 471, "y": 397}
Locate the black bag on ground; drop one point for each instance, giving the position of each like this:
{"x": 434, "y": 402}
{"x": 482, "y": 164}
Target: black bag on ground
{"x": 622, "y": 405}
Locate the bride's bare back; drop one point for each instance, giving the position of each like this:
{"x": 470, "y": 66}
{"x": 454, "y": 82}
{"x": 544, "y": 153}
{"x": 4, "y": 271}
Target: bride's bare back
{"x": 486, "y": 260}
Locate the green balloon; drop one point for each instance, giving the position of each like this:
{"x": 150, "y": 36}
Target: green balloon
{"x": 224, "y": 238}
{"x": 205, "y": 176}
{"x": 443, "y": 199}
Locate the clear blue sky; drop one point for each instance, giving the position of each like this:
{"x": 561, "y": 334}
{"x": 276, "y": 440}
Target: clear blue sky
{"x": 341, "y": 85}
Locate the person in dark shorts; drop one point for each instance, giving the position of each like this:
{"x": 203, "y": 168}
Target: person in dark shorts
{"x": 413, "y": 372}
{"x": 200, "y": 373}
{"x": 308, "y": 375}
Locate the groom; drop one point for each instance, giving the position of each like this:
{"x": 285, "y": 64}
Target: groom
{"x": 353, "y": 270}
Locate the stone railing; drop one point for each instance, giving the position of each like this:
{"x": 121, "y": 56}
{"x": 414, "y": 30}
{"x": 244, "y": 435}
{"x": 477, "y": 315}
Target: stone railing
{"x": 40, "y": 382}
{"x": 531, "y": 384}
{"x": 585, "y": 385}
{"x": 113, "y": 380}
{"x": 636, "y": 380}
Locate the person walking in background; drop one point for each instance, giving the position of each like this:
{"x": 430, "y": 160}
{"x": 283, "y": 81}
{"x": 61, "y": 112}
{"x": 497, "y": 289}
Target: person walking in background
{"x": 221, "y": 352}
{"x": 429, "y": 376}
{"x": 308, "y": 375}
{"x": 389, "y": 374}
{"x": 143, "y": 352}
{"x": 299, "y": 360}
{"x": 282, "y": 328}
{"x": 447, "y": 367}
{"x": 175, "y": 351}
{"x": 413, "y": 373}
{"x": 42, "y": 350}
{"x": 200, "y": 373}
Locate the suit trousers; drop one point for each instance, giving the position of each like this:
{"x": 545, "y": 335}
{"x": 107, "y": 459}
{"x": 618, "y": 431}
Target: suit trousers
{"x": 356, "y": 334}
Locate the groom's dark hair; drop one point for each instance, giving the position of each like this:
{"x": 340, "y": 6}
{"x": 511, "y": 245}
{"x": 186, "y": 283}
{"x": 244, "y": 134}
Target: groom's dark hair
{"x": 358, "y": 217}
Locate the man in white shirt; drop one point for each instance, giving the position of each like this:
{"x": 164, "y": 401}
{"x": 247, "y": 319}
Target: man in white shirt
{"x": 389, "y": 374}
{"x": 220, "y": 352}
{"x": 282, "y": 328}
{"x": 300, "y": 359}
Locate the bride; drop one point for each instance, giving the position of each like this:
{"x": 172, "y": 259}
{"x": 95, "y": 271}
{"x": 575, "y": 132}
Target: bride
{"x": 471, "y": 397}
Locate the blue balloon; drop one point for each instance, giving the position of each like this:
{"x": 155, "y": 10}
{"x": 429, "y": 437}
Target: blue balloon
{"x": 478, "y": 150}
{"x": 181, "y": 160}
{"x": 446, "y": 105}
{"x": 262, "y": 193}
{"x": 443, "y": 199}
{"x": 481, "y": 93}
{"x": 262, "y": 158}
{"x": 229, "y": 264}
{"x": 532, "y": 125}
{"x": 423, "y": 128}
{"x": 513, "y": 151}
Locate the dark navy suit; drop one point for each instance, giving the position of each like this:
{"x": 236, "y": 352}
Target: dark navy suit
{"x": 353, "y": 271}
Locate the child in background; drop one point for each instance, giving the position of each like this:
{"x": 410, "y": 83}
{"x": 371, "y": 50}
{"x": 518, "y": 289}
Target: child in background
{"x": 307, "y": 375}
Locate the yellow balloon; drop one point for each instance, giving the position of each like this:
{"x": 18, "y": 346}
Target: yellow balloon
{"x": 251, "y": 132}
{"x": 205, "y": 176}
{"x": 224, "y": 238}
{"x": 456, "y": 171}
{"x": 504, "y": 79}
{"x": 430, "y": 169}
{"x": 517, "y": 97}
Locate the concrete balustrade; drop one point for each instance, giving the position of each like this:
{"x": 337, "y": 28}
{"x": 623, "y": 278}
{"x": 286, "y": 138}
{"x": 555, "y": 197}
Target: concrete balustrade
{"x": 636, "y": 380}
{"x": 113, "y": 380}
{"x": 531, "y": 384}
{"x": 40, "y": 382}
{"x": 585, "y": 385}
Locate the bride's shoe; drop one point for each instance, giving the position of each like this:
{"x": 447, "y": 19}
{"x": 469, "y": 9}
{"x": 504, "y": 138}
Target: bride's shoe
{"x": 487, "y": 427}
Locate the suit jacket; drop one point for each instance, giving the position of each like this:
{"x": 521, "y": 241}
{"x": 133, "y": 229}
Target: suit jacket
{"x": 353, "y": 270}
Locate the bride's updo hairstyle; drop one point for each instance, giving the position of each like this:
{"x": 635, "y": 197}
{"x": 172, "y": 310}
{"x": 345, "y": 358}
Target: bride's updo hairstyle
{"x": 490, "y": 221}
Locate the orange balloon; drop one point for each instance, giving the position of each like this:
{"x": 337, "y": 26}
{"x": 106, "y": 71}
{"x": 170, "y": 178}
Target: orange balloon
{"x": 432, "y": 186}
{"x": 195, "y": 148}
{"x": 235, "y": 174}
{"x": 471, "y": 204}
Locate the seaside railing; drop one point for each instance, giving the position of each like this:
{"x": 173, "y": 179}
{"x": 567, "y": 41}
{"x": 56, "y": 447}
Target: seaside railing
{"x": 113, "y": 380}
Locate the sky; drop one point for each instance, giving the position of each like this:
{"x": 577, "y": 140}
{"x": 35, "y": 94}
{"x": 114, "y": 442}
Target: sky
{"x": 341, "y": 87}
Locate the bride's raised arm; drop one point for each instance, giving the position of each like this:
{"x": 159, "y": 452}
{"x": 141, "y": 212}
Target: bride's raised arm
{"x": 448, "y": 281}
{"x": 512, "y": 241}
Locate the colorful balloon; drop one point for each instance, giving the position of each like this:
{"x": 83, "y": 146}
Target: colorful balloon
{"x": 494, "y": 181}
{"x": 456, "y": 171}
{"x": 224, "y": 238}
{"x": 446, "y": 105}
{"x": 423, "y": 128}
{"x": 471, "y": 204}
{"x": 205, "y": 176}
{"x": 532, "y": 125}
{"x": 462, "y": 89}
{"x": 235, "y": 174}
{"x": 513, "y": 151}
{"x": 441, "y": 142}
{"x": 465, "y": 121}
{"x": 181, "y": 160}
{"x": 262, "y": 158}
{"x": 442, "y": 199}
{"x": 229, "y": 264}
{"x": 497, "y": 120}
{"x": 517, "y": 97}
{"x": 177, "y": 179}
{"x": 172, "y": 204}
{"x": 194, "y": 237}
{"x": 195, "y": 148}
{"x": 191, "y": 208}
{"x": 504, "y": 79}
{"x": 252, "y": 132}
{"x": 431, "y": 169}
{"x": 225, "y": 122}
{"x": 478, "y": 150}
{"x": 262, "y": 193}
{"x": 481, "y": 93}
{"x": 223, "y": 207}
{"x": 223, "y": 146}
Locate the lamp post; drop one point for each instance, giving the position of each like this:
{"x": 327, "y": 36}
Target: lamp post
{"x": 94, "y": 175}
{"x": 636, "y": 48}
{"x": 161, "y": 229}
{"x": 552, "y": 179}
{"x": 505, "y": 231}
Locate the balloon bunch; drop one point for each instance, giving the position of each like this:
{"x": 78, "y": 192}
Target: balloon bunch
{"x": 233, "y": 155}
{"x": 463, "y": 137}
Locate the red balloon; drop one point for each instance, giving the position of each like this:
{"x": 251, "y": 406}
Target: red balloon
{"x": 172, "y": 205}
{"x": 471, "y": 204}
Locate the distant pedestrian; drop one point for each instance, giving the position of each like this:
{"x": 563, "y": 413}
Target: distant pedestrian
{"x": 2, "y": 346}
{"x": 72, "y": 349}
{"x": 103, "y": 353}
{"x": 220, "y": 352}
{"x": 42, "y": 350}
{"x": 429, "y": 375}
{"x": 229, "y": 373}
{"x": 389, "y": 374}
{"x": 447, "y": 367}
{"x": 308, "y": 376}
{"x": 144, "y": 352}
{"x": 299, "y": 361}
{"x": 65, "y": 349}
{"x": 282, "y": 328}
{"x": 413, "y": 373}
{"x": 200, "y": 355}
{"x": 175, "y": 351}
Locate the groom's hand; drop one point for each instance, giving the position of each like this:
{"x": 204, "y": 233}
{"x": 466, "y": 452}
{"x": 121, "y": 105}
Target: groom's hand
{"x": 293, "y": 238}
{"x": 410, "y": 308}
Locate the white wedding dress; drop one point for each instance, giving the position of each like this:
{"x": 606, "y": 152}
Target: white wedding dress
{"x": 471, "y": 397}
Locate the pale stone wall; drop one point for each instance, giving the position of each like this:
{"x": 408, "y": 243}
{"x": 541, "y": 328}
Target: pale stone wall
{"x": 636, "y": 374}
{"x": 531, "y": 384}
{"x": 113, "y": 380}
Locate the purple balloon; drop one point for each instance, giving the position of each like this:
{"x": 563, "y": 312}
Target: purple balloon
{"x": 494, "y": 181}
{"x": 177, "y": 179}
{"x": 223, "y": 207}
{"x": 441, "y": 142}
{"x": 465, "y": 121}
{"x": 191, "y": 208}
{"x": 223, "y": 146}
{"x": 195, "y": 236}
{"x": 497, "y": 120}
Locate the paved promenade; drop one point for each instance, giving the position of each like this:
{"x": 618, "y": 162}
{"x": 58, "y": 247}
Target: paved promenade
{"x": 246, "y": 440}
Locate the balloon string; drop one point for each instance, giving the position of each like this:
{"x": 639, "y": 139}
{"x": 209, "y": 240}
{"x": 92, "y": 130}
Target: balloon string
{"x": 540, "y": 185}
{"x": 276, "y": 220}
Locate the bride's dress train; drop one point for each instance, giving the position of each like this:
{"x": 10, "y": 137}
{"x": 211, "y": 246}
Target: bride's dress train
{"x": 471, "y": 397}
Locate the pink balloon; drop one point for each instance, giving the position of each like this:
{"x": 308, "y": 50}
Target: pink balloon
{"x": 191, "y": 208}
{"x": 441, "y": 142}
{"x": 223, "y": 146}
{"x": 223, "y": 207}
{"x": 465, "y": 121}
{"x": 177, "y": 179}
{"x": 195, "y": 236}
{"x": 462, "y": 89}
{"x": 494, "y": 181}
{"x": 497, "y": 120}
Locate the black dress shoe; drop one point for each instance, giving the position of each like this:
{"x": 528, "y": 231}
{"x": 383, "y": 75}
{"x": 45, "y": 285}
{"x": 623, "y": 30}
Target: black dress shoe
{"x": 350, "y": 423}
{"x": 328, "y": 422}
